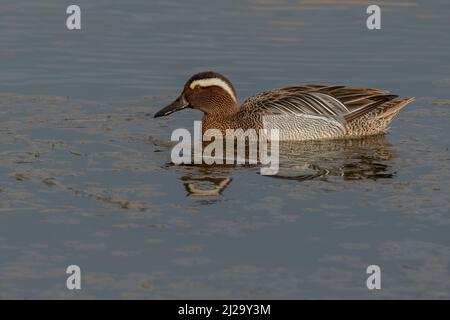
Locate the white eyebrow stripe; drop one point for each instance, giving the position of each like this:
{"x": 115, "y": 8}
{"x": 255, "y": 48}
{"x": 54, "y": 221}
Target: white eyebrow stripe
{"x": 214, "y": 82}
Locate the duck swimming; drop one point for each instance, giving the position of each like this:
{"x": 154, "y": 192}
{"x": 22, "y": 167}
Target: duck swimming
{"x": 300, "y": 113}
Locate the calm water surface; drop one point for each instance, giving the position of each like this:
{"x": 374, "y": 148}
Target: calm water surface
{"x": 86, "y": 178}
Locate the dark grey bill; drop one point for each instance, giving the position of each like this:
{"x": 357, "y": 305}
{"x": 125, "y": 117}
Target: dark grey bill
{"x": 177, "y": 105}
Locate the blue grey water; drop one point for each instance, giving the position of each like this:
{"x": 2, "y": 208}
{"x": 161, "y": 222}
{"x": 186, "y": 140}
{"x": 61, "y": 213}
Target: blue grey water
{"x": 86, "y": 178}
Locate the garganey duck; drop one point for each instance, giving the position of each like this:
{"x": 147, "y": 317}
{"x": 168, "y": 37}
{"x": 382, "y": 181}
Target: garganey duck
{"x": 308, "y": 112}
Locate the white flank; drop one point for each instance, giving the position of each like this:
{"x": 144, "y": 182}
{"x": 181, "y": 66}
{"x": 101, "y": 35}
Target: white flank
{"x": 214, "y": 82}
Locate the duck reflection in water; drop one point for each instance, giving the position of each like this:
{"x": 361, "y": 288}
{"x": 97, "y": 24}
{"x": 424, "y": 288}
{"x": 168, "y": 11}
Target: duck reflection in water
{"x": 358, "y": 159}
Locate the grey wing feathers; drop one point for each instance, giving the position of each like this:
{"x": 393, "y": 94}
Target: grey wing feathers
{"x": 321, "y": 100}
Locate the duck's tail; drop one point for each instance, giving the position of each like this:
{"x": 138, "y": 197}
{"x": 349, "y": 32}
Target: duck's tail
{"x": 374, "y": 118}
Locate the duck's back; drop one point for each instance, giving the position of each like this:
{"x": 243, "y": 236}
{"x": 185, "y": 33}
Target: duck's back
{"x": 315, "y": 112}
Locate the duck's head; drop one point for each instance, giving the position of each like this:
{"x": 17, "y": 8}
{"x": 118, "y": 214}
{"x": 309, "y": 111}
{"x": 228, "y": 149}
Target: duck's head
{"x": 207, "y": 91}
